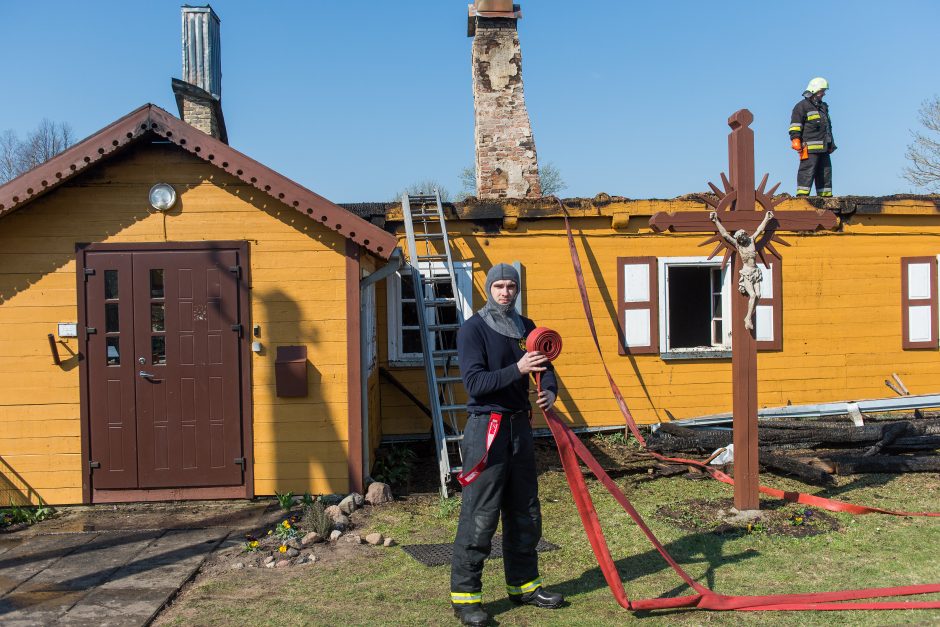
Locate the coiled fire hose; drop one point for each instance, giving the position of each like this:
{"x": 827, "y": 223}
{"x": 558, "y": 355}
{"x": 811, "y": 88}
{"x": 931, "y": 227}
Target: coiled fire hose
{"x": 570, "y": 449}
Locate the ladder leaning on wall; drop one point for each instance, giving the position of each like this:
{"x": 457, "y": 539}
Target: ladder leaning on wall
{"x": 436, "y": 295}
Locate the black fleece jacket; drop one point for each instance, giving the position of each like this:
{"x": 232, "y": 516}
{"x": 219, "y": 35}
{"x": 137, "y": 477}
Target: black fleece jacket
{"x": 488, "y": 367}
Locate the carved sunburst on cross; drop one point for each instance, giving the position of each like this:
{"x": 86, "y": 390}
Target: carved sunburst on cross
{"x": 725, "y": 204}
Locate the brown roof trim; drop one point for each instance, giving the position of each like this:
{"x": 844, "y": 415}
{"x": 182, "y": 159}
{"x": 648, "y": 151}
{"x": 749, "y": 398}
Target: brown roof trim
{"x": 153, "y": 119}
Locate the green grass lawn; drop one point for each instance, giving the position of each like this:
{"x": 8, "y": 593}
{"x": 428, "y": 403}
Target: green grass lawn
{"x": 387, "y": 587}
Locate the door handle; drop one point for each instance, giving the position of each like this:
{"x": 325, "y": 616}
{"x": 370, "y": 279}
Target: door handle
{"x": 145, "y": 375}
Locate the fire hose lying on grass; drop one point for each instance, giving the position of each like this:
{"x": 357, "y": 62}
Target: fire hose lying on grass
{"x": 571, "y": 449}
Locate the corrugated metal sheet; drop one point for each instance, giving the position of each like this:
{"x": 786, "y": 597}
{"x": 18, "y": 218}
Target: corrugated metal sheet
{"x": 202, "y": 49}
{"x": 821, "y": 410}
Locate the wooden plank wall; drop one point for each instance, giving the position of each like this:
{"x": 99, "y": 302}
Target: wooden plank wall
{"x": 298, "y": 297}
{"x": 842, "y": 318}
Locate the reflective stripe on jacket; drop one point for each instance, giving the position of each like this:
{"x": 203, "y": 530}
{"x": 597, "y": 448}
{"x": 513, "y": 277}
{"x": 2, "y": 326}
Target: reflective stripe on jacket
{"x": 810, "y": 122}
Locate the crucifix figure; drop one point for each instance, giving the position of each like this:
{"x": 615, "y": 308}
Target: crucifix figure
{"x": 750, "y": 277}
{"x": 734, "y": 211}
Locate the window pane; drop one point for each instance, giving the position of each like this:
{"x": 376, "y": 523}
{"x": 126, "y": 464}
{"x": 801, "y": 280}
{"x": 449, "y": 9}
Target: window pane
{"x": 158, "y": 346}
{"x": 156, "y": 283}
{"x": 157, "y": 315}
{"x": 113, "y": 351}
{"x": 716, "y": 305}
{"x": 407, "y": 287}
{"x": 112, "y": 323}
{"x": 447, "y": 315}
{"x": 409, "y": 314}
{"x": 110, "y": 284}
{"x": 689, "y": 306}
{"x": 444, "y": 290}
{"x": 411, "y": 341}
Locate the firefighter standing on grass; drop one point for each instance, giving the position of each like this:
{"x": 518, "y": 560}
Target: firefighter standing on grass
{"x": 811, "y": 136}
{"x": 495, "y": 368}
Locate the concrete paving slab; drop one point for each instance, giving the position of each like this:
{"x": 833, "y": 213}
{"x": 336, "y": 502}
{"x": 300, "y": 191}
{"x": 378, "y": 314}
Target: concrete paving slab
{"x": 113, "y": 565}
{"x": 23, "y": 562}
{"x": 8, "y": 543}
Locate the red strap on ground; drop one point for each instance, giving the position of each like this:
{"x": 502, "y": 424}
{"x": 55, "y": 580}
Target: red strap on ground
{"x": 570, "y": 449}
{"x": 469, "y": 476}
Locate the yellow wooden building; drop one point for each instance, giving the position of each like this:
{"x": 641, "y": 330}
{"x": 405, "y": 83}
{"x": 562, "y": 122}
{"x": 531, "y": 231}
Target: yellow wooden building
{"x": 207, "y": 346}
{"x": 843, "y": 310}
{"x": 231, "y": 345}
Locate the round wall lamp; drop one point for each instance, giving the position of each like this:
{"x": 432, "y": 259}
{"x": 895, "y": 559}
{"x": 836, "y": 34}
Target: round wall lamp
{"x": 162, "y": 197}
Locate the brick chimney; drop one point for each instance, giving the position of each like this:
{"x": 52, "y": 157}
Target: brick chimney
{"x": 199, "y": 94}
{"x": 506, "y": 161}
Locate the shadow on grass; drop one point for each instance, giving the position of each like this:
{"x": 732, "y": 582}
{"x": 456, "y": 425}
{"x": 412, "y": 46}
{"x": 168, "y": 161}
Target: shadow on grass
{"x": 692, "y": 549}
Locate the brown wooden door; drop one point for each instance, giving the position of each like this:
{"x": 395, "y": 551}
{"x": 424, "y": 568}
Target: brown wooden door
{"x": 180, "y": 366}
{"x": 109, "y": 351}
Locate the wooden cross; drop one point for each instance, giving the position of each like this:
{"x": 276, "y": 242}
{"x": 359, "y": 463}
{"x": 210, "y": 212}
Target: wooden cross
{"x": 736, "y": 206}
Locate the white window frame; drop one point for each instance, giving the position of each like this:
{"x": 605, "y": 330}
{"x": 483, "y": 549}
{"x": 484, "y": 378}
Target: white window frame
{"x": 714, "y": 351}
{"x": 463, "y": 271}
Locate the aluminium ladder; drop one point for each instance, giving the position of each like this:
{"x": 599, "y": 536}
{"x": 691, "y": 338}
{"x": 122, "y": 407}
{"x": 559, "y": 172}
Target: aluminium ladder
{"x": 435, "y": 290}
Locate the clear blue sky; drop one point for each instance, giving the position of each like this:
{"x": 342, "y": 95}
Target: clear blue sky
{"x": 356, "y": 100}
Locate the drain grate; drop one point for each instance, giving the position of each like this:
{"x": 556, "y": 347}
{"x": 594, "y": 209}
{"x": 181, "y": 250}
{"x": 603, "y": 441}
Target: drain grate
{"x": 439, "y": 554}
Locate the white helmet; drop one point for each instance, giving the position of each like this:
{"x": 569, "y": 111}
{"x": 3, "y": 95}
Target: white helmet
{"x": 817, "y": 84}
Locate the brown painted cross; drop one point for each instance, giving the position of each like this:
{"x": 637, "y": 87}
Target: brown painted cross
{"x": 736, "y": 208}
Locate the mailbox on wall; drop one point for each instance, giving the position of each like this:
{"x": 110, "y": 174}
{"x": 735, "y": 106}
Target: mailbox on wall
{"x": 290, "y": 371}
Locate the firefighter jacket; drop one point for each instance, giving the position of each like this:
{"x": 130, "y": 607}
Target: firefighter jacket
{"x": 810, "y": 122}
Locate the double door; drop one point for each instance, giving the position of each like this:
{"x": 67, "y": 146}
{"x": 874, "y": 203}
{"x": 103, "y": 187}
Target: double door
{"x": 162, "y": 344}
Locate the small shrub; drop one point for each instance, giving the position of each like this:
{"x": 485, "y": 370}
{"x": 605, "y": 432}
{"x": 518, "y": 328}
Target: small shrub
{"x": 615, "y": 437}
{"x": 17, "y": 514}
{"x": 394, "y": 465}
{"x": 316, "y": 519}
{"x": 286, "y": 530}
{"x": 286, "y": 500}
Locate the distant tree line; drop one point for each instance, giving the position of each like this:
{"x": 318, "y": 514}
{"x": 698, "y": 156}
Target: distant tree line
{"x": 19, "y": 155}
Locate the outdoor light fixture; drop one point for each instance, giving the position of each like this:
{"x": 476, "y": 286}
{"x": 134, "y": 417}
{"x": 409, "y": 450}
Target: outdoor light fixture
{"x": 162, "y": 196}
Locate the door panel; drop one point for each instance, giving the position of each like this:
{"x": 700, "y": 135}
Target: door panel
{"x": 111, "y": 376}
{"x": 188, "y": 387}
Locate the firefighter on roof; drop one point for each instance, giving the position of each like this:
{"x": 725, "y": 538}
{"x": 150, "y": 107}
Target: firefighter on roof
{"x": 811, "y": 137}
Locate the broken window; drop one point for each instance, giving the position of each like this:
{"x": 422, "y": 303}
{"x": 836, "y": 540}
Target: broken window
{"x": 694, "y": 306}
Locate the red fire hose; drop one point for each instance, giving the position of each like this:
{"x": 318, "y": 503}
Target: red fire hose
{"x": 571, "y": 449}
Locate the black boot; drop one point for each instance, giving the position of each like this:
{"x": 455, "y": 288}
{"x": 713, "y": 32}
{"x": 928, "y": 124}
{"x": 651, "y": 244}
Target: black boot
{"x": 471, "y": 614}
{"x": 540, "y": 597}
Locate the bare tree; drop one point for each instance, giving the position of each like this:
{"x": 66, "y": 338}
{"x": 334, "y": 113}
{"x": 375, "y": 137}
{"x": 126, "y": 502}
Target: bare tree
{"x": 468, "y": 182}
{"x": 549, "y": 177}
{"x": 924, "y": 154}
{"x": 424, "y": 188}
{"x": 20, "y": 155}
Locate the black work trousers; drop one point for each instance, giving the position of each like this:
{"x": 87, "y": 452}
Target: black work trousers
{"x": 508, "y": 486}
{"x": 816, "y": 168}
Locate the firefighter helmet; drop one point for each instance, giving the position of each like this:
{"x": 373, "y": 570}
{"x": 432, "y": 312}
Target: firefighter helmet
{"x": 817, "y": 84}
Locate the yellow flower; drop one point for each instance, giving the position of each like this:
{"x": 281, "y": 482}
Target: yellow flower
{"x": 286, "y": 524}
{"x": 282, "y": 549}
{"x": 270, "y": 531}
{"x": 253, "y": 544}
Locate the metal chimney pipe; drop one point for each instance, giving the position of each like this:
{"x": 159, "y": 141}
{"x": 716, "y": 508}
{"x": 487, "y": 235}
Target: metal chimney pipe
{"x": 202, "y": 49}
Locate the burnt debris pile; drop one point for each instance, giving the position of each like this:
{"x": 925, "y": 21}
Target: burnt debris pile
{"x": 815, "y": 451}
